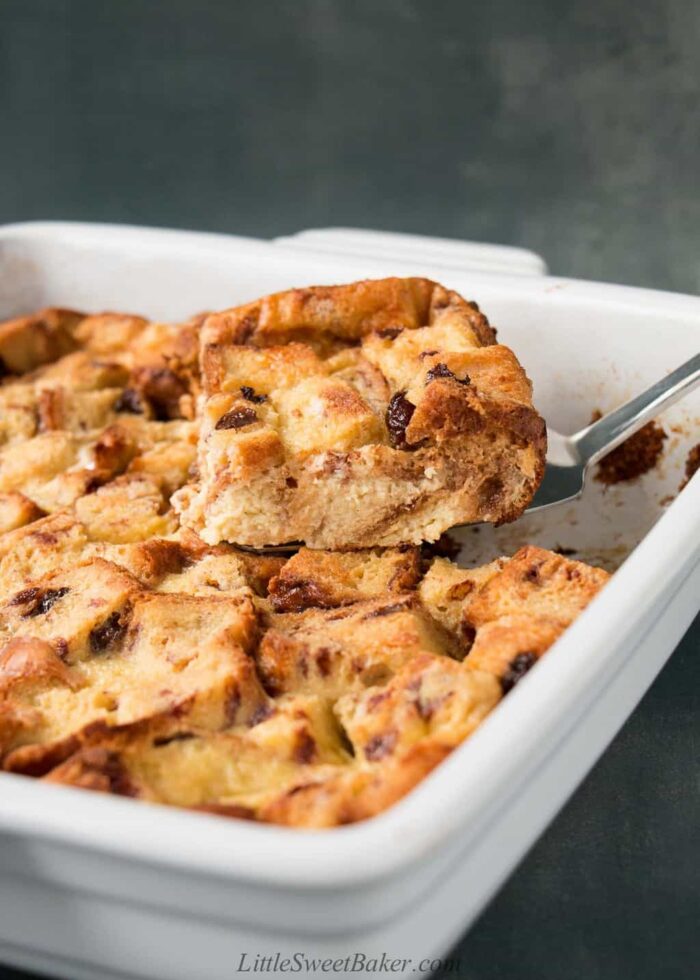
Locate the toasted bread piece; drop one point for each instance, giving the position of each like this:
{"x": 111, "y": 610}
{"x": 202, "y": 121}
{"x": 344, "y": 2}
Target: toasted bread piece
{"x": 430, "y": 697}
{"x": 446, "y": 590}
{"x": 326, "y": 579}
{"x": 539, "y": 582}
{"x": 318, "y": 800}
{"x": 233, "y": 773}
{"x": 332, "y": 651}
{"x": 508, "y": 647}
{"x": 16, "y": 510}
{"x": 28, "y": 341}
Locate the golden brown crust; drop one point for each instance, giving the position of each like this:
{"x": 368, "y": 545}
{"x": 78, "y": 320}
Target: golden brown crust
{"x": 324, "y": 579}
{"x": 331, "y": 713}
{"x": 508, "y": 647}
{"x": 96, "y": 769}
{"x": 337, "y": 799}
{"x": 26, "y": 661}
{"x": 16, "y": 510}
{"x": 391, "y": 395}
{"x": 138, "y": 658}
{"x": 28, "y": 341}
{"x": 428, "y": 698}
{"x": 544, "y": 583}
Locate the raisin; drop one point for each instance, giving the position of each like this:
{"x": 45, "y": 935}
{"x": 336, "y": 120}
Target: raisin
{"x": 61, "y": 647}
{"x": 261, "y": 713}
{"x": 108, "y": 633}
{"x": 129, "y": 401}
{"x": 249, "y": 395}
{"x": 305, "y": 748}
{"x": 380, "y": 746}
{"x": 438, "y": 371}
{"x": 232, "y": 704}
{"x": 442, "y": 371}
{"x": 298, "y": 594}
{"x": 24, "y": 596}
{"x": 398, "y": 415}
{"x": 45, "y": 601}
{"x": 324, "y": 661}
{"x": 93, "y": 483}
{"x": 111, "y": 768}
{"x": 237, "y": 418}
{"x": 163, "y": 389}
{"x": 468, "y": 633}
{"x": 389, "y": 333}
{"x": 532, "y": 574}
{"x": 517, "y": 669}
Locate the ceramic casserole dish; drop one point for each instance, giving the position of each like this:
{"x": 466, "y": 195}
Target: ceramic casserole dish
{"x": 101, "y": 887}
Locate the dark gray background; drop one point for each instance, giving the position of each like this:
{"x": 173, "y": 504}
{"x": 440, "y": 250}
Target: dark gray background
{"x": 569, "y": 128}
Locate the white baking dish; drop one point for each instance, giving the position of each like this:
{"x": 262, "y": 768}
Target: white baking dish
{"x": 94, "y": 886}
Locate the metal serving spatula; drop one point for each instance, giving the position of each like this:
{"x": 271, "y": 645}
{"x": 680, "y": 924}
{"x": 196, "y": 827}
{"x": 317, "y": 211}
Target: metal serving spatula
{"x": 569, "y": 458}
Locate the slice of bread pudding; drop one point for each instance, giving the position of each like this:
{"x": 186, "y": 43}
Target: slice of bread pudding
{"x": 377, "y": 413}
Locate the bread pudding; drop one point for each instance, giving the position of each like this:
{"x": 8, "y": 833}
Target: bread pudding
{"x": 145, "y": 655}
{"x": 373, "y": 414}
